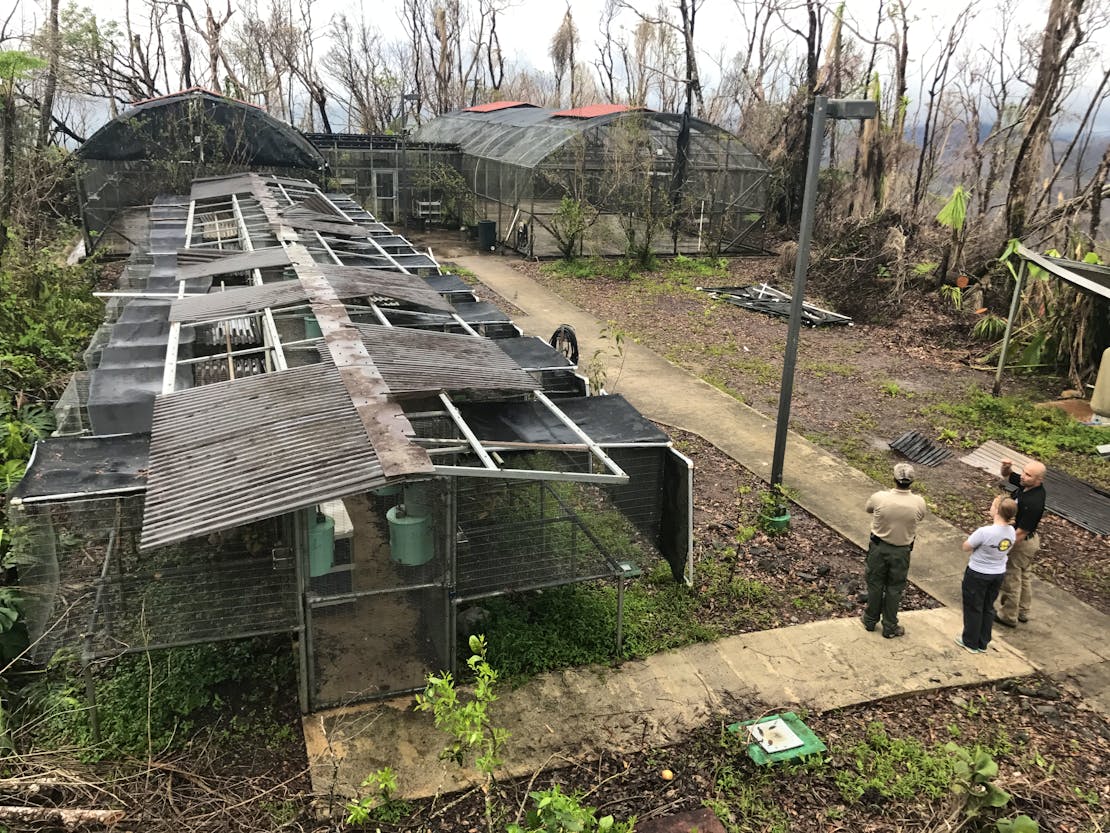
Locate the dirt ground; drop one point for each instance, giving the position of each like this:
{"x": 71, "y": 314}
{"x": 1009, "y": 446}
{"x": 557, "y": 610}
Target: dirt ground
{"x": 1055, "y": 777}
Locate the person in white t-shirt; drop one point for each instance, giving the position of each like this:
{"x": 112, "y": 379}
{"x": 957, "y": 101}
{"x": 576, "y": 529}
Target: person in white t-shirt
{"x": 989, "y": 547}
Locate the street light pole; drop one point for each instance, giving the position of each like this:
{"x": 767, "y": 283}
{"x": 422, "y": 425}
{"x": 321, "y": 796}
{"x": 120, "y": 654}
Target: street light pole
{"x": 822, "y": 108}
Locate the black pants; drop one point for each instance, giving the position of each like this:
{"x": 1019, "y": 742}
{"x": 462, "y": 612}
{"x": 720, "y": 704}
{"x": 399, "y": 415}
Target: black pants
{"x": 979, "y": 592}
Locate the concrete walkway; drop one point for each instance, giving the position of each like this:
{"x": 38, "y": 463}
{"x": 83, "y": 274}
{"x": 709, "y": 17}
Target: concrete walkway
{"x": 820, "y": 665}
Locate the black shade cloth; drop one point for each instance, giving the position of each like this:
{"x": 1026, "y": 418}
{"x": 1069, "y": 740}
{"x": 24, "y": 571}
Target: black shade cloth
{"x": 76, "y": 466}
{"x": 237, "y": 130}
{"x": 606, "y": 419}
{"x": 533, "y": 353}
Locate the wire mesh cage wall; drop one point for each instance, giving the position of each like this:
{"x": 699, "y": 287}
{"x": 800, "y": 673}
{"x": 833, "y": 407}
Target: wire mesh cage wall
{"x": 377, "y": 612}
{"x": 642, "y": 179}
{"x": 397, "y": 180}
{"x": 516, "y": 535}
{"x": 87, "y": 587}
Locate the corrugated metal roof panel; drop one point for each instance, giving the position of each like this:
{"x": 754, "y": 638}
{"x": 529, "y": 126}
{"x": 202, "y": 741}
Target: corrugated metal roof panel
{"x": 236, "y": 261}
{"x": 221, "y": 186}
{"x": 326, "y": 227}
{"x": 231, "y": 453}
{"x": 355, "y": 281}
{"x": 418, "y": 361}
{"x": 237, "y": 301}
{"x": 346, "y": 281}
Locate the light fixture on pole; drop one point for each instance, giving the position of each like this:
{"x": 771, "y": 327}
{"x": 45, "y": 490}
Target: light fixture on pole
{"x": 823, "y": 109}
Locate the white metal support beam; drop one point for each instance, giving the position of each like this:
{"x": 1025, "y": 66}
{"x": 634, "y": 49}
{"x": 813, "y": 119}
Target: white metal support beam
{"x": 475, "y": 443}
{"x": 595, "y": 449}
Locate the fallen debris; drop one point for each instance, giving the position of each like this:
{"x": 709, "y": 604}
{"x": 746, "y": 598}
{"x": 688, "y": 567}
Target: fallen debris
{"x": 765, "y": 298}
{"x": 919, "y": 449}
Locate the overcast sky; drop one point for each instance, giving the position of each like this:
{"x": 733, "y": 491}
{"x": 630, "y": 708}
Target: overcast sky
{"x": 527, "y": 26}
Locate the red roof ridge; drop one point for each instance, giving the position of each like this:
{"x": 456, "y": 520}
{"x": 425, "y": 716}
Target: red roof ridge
{"x": 491, "y": 106}
{"x": 590, "y": 111}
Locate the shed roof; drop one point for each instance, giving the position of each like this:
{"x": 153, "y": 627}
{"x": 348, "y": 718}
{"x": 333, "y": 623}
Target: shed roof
{"x": 527, "y": 135}
{"x": 496, "y": 105}
{"x": 1089, "y": 277}
{"x": 255, "y": 138}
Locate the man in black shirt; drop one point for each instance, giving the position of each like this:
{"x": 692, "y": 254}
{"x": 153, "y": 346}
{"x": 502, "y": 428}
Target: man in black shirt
{"x": 1016, "y": 594}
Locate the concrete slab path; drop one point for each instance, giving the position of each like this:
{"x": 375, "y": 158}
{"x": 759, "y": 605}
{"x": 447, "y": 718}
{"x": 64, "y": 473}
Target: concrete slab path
{"x": 820, "y": 665}
{"x": 578, "y": 713}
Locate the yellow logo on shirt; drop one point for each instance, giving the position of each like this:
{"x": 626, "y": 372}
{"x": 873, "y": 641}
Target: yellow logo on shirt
{"x": 1004, "y": 544}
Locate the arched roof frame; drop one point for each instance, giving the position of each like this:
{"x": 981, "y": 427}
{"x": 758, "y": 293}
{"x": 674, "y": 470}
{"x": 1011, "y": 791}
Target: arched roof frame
{"x": 526, "y": 135}
{"x": 245, "y": 133}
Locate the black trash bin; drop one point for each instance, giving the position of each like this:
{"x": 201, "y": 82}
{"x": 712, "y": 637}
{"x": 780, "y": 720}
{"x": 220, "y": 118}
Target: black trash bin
{"x": 487, "y": 235}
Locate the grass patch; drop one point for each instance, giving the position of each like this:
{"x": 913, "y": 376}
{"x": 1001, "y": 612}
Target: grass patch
{"x": 894, "y": 390}
{"x": 745, "y": 800}
{"x": 822, "y": 370}
{"x": 754, "y": 368}
{"x": 539, "y": 631}
{"x": 1047, "y": 434}
{"x": 467, "y": 276}
{"x": 678, "y": 273}
{"x": 856, "y": 450}
{"x": 894, "y": 768}
{"x": 164, "y": 700}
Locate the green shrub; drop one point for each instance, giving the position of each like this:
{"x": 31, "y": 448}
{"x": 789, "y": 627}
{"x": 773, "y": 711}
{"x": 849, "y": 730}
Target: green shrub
{"x": 150, "y": 703}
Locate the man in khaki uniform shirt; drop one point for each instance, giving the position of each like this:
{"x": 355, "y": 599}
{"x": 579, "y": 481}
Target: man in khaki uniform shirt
{"x": 895, "y": 515}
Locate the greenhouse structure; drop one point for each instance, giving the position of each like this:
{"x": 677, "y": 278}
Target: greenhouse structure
{"x": 398, "y": 181}
{"x": 294, "y": 422}
{"x": 606, "y": 179}
{"x": 160, "y": 145}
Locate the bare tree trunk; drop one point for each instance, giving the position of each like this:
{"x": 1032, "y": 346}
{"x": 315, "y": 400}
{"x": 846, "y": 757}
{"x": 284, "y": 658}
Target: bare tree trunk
{"x": 562, "y": 55}
{"x": 606, "y": 66}
{"x": 930, "y": 149}
{"x": 495, "y": 60}
{"x": 687, "y": 11}
{"x": 793, "y": 146}
{"x": 7, "y": 162}
{"x": 1062, "y": 36}
{"x": 50, "y": 85}
{"x": 1099, "y": 191}
{"x": 186, "y": 52}
{"x": 212, "y": 29}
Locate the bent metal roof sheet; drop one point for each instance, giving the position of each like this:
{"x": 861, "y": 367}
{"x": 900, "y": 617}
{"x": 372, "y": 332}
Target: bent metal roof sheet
{"x": 413, "y": 361}
{"x": 347, "y": 281}
{"x": 227, "y": 454}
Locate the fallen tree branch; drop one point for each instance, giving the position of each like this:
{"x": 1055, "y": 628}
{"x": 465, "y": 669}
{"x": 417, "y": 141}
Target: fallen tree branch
{"x": 69, "y": 819}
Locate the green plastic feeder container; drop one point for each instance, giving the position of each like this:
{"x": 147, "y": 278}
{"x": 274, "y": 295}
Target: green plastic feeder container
{"x": 776, "y": 523}
{"x": 312, "y": 327}
{"x": 410, "y": 537}
{"x": 321, "y": 546}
